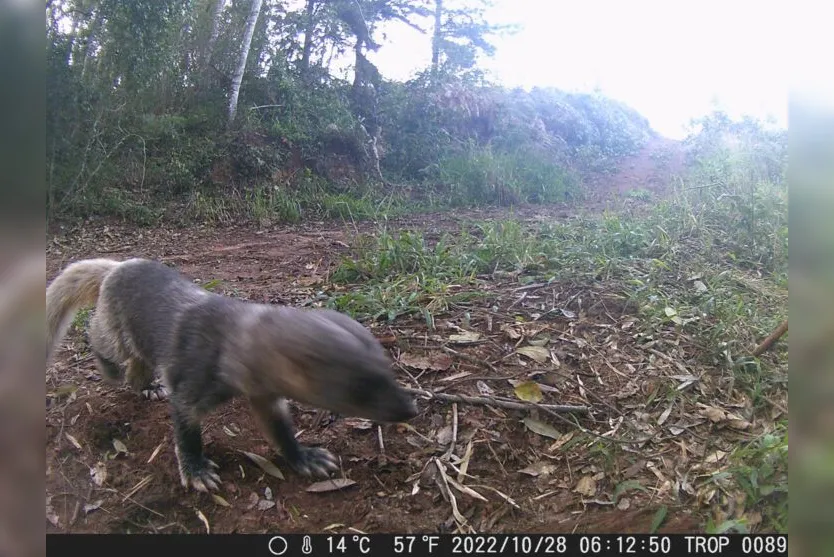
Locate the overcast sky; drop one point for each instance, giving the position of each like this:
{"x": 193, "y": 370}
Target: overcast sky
{"x": 669, "y": 60}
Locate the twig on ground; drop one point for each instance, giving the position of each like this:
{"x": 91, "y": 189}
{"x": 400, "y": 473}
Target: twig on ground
{"x": 454, "y": 430}
{"x": 381, "y": 442}
{"x": 591, "y": 433}
{"x": 490, "y": 401}
{"x": 771, "y": 339}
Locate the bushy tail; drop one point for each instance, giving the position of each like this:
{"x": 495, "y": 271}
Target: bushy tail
{"x": 75, "y": 287}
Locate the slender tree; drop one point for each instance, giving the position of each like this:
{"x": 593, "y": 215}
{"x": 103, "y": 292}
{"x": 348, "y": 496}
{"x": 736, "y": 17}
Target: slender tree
{"x": 309, "y": 27}
{"x": 237, "y": 79}
{"x": 437, "y": 38}
{"x": 217, "y": 11}
{"x": 461, "y": 33}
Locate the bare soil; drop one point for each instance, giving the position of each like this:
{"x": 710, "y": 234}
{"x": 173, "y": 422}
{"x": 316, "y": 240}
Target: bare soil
{"x": 565, "y": 488}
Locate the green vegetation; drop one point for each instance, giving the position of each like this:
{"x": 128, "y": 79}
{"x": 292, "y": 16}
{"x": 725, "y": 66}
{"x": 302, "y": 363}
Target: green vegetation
{"x": 137, "y": 116}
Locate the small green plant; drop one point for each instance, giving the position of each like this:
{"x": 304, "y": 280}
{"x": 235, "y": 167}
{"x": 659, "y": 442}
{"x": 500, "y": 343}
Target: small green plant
{"x": 82, "y": 320}
{"x": 267, "y": 205}
{"x": 760, "y": 469}
{"x": 640, "y": 194}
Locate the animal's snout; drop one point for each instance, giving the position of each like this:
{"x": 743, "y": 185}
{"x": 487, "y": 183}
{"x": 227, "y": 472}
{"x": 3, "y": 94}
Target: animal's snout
{"x": 405, "y": 411}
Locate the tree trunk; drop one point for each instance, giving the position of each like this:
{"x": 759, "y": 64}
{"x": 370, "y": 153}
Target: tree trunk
{"x": 358, "y": 69}
{"x": 71, "y": 41}
{"x": 91, "y": 42}
{"x": 309, "y": 25}
{"x": 237, "y": 79}
{"x": 438, "y": 34}
{"x": 215, "y": 31}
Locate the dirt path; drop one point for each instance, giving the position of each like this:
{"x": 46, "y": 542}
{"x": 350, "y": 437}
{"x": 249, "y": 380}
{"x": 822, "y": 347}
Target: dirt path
{"x": 529, "y": 481}
{"x": 657, "y": 164}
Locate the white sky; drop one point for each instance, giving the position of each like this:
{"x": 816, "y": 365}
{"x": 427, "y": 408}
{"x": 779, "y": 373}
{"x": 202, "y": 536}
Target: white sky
{"x": 670, "y": 60}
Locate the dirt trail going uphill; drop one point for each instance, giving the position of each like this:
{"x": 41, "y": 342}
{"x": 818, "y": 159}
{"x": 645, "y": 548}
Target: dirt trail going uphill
{"x": 653, "y": 168}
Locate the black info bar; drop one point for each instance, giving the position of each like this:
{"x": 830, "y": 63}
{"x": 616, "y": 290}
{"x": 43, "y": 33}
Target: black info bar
{"x": 423, "y": 545}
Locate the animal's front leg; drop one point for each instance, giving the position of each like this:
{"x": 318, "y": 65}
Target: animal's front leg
{"x": 273, "y": 414}
{"x": 195, "y": 469}
{"x": 141, "y": 379}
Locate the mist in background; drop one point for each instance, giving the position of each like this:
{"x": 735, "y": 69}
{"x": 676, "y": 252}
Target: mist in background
{"x": 671, "y": 61}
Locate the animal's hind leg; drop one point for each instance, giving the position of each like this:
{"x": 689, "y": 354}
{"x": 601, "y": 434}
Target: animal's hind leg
{"x": 109, "y": 370}
{"x": 140, "y": 377}
{"x": 106, "y": 350}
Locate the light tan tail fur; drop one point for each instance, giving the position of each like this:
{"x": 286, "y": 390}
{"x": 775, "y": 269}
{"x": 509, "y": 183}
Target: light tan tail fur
{"x": 74, "y": 288}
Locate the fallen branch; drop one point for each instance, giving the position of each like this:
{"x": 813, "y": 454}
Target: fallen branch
{"x": 771, "y": 339}
{"x": 489, "y": 401}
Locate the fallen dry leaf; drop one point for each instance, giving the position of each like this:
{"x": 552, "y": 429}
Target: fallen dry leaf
{"x": 561, "y": 441}
{"x": 265, "y": 504}
{"x": 64, "y": 390}
{"x": 513, "y": 331}
{"x": 541, "y": 468}
{"x": 465, "y": 489}
{"x": 90, "y": 507}
{"x": 738, "y": 423}
{"x": 484, "y": 389}
{"x": 714, "y": 414}
{"x": 439, "y": 362}
{"x": 540, "y": 340}
{"x": 715, "y": 457}
{"x": 528, "y": 391}
{"x": 51, "y": 515}
{"x": 466, "y": 337}
{"x": 665, "y": 415}
{"x": 309, "y": 281}
{"x": 219, "y": 500}
{"x": 541, "y": 428}
{"x": 456, "y": 376}
{"x": 119, "y": 446}
{"x": 358, "y": 423}
{"x": 265, "y": 465}
{"x": 205, "y": 521}
{"x": 73, "y": 440}
{"x": 155, "y": 452}
{"x": 99, "y": 473}
{"x": 444, "y": 435}
{"x": 464, "y": 462}
{"x": 586, "y": 486}
{"x": 539, "y": 354}
{"x": 330, "y": 485}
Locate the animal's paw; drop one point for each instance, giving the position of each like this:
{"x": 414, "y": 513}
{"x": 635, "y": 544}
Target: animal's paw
{"x": 315, "y": 461}
{"x": 199, "y": 474}
{"x": 156, "y": 391}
